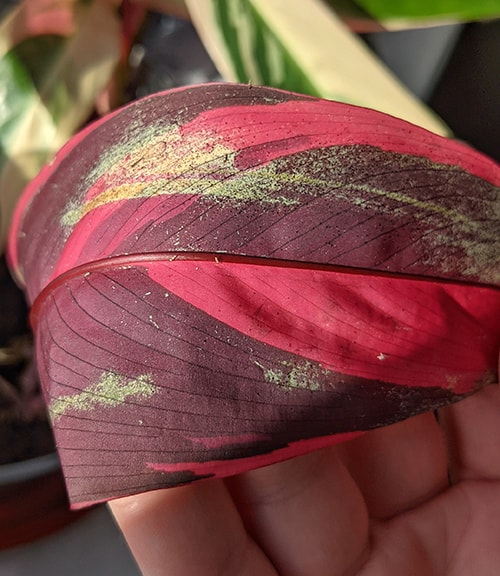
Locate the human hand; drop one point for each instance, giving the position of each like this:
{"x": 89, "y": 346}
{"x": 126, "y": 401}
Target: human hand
{"x": 421, "y": 497}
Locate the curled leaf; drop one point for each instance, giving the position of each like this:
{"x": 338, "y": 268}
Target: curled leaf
{"x": 225, "y": 276}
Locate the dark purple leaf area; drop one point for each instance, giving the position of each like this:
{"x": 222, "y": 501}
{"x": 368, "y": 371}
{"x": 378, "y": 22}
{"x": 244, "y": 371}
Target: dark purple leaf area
{"x": 210, "y": 384}
{"x": 326, "y": 227}
{"x": 341, "y": 219}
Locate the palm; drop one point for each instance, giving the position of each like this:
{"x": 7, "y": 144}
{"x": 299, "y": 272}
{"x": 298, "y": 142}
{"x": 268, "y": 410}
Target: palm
{"x": 417, "y": 498}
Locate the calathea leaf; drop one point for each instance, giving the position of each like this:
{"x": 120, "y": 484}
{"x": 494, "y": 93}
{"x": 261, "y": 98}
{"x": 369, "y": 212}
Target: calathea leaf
{"x": 225, "y": 276}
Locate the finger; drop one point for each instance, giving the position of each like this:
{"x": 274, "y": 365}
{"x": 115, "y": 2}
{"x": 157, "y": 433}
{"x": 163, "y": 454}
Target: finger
{"x": 455, "y": 533}
{"x": 307, "y": 514}
{"x": 472, "y": 428}
{"x": 398, "y": 467}
{"x": 189, "y": 531}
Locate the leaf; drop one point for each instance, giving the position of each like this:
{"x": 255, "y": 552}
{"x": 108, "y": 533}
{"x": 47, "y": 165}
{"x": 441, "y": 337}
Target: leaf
{"x": 234, "y": 275}
{"x": 304, "y": 47}
{"x": 377, "y": 15}
{"x": 434, "y": 10}
{"x": 51, "y": 82}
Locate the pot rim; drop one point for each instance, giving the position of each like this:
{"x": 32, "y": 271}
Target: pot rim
{"x": 28, "y": 469}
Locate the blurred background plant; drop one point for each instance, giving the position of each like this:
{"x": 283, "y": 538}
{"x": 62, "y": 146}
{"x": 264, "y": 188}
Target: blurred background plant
{"x": 64, "y": 63}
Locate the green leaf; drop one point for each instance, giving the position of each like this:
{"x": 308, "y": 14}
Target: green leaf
{"x": 50, "y": 82}
{"x": 303, "y": 47}
{"x": 16, "y": 93}
{"x": 432, "y": 9}
{"x": 259, "y": 55}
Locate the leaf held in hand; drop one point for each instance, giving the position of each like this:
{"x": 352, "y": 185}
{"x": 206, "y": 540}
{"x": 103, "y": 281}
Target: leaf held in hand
{"x": 225, "y": 276}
